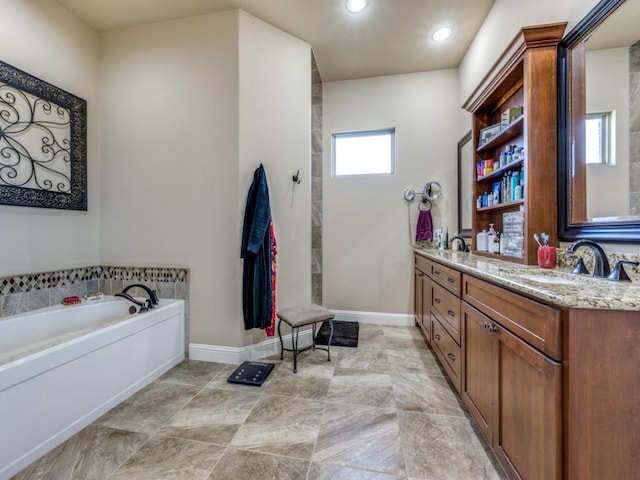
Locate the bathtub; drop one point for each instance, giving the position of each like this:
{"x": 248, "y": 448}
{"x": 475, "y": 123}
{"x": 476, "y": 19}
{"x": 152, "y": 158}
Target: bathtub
{"x": 63, "y": 367}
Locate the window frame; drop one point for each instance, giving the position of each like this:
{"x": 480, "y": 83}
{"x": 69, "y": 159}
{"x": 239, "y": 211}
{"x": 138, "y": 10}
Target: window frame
{"x": 606, "y": 137}
{"x": 390, "y": 131}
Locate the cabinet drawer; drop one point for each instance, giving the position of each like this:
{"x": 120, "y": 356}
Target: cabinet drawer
{"x": 447, "y": 307}
{"x": 422, "y": 264}
{"x": 535, "y": 323}
{"x": 447, "y": 277}
{"x": 447, "y": 351}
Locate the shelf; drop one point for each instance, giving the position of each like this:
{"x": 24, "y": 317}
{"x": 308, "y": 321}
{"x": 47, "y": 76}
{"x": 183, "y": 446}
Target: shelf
{"x": 506, "y": 168}
{"x": 498, "y": 256}
{"x": 511, "y": 131}
{"x": 500, "y": 206}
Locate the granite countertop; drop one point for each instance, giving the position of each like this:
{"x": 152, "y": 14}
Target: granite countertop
{"x": 558, "y": 286}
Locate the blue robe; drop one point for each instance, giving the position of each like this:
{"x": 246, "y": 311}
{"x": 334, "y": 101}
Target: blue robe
{"x": 257, "y": 301}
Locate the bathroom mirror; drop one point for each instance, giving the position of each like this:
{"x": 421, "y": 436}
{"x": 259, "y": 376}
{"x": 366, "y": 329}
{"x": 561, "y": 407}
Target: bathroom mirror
{"x": 432, "y": 191}
{"x": 465, "y": 185}
{"x": 599, "y": 126}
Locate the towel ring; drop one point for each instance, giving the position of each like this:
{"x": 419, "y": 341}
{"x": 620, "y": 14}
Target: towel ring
{"x": 427, "y": 203}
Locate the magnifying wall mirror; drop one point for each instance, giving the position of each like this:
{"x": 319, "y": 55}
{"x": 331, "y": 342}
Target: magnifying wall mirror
{"x": 599, "y": 126}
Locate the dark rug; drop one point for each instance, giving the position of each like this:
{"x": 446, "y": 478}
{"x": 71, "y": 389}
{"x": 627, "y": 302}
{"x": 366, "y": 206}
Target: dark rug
{"x": 251, "y": 373}
{"x": 345, "y": 334}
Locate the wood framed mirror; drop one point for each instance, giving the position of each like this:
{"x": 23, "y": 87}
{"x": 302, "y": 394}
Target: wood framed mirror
{"x": 599, "y": 126}
{"x": 465, "y": 185}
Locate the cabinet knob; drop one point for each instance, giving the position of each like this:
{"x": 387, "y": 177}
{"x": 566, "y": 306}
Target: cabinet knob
{"x": 436, "y": 272}
{"x": 451, "y": 356}
{"x": 436, "y": 336}
{"x": 437, "y": 300}
{"x": 451, "y": 313}
{"x": 450, "y": 280}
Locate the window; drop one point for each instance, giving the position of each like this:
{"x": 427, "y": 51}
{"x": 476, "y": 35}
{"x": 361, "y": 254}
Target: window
{"x": 598, "y": 132}
{"x": 362, "y": 153}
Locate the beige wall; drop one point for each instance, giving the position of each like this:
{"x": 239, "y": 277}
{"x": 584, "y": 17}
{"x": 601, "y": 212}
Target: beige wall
{"x": 502, "y": 23}
{"x": 43, "y": 39}
{"x": 275, "y": 130}
{"x": 189, "y": 109}
{"x": 608, "y": 90}
{"x": 366, "y": 240}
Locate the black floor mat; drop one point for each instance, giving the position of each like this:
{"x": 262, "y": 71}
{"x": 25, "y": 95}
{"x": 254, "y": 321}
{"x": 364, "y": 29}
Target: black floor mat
{"x": 251, "y": 373}
{"x": 345, "y": 334}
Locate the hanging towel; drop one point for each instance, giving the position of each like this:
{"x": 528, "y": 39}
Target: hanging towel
{"x": 424, "y": 229}
{"x": 271, "y": 328}
{"x": 257, "y": 290}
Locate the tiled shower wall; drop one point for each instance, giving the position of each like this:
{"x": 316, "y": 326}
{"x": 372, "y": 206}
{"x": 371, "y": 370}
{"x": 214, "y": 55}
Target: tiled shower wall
{"x": 634, "y": 129}
{"x": 316, "y": 183}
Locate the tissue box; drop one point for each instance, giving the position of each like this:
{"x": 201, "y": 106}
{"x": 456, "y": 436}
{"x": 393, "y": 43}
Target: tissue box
{"x": 509, "y": 115}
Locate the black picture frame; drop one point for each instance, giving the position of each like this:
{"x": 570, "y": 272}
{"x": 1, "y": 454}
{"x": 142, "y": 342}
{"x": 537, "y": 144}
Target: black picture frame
{"x": 75, "y": 152}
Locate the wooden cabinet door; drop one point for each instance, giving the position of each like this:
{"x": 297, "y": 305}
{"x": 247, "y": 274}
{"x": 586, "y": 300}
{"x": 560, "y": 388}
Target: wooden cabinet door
{"x": 417, "y": 296}
{"x": 426, "y": 307}
{"x": 480, "y": 369}
{"x": 528, "y": 427}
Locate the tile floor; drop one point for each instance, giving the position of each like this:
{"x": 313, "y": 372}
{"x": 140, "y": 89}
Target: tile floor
{"x": 382, "y": 411}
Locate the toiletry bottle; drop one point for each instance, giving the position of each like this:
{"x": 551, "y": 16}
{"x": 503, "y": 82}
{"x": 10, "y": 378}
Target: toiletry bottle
{"x": 491, "y": 234}
{"x": 495, "y": 245}
{"x": 481, "y": 241}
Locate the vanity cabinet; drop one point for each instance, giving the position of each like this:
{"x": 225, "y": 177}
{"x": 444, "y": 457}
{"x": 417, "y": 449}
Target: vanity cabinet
{"x": 512, "y": 390}
{"x": 524, "y": 77}
{"x": 422, "y": 295}
{"x": 437, "y": 304}
{"x": 554, "y": 389}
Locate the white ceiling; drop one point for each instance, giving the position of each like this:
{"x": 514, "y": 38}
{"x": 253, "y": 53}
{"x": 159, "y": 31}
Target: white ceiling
{"x": 618, "y": 30}
{"x": 389, "y": 37}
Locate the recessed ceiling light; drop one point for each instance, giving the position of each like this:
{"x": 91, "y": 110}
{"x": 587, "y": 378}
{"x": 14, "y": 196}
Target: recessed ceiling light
{"x": 356, "y": 6}
{"x": 441, "y": 34}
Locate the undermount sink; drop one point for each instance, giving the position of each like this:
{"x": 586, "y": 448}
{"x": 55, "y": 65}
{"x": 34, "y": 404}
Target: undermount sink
{"x": 553, "y": 279}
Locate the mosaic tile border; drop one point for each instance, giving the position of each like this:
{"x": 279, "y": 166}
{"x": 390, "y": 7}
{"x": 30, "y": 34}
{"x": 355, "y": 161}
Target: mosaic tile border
{"x": 38, "y": 281}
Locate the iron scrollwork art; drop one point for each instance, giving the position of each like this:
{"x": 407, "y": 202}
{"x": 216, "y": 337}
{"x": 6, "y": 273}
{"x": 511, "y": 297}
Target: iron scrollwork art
{"x": 43, "y": 143}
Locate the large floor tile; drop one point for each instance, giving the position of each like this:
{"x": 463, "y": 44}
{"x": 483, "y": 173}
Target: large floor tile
{"x": 282, "y": 426}
{"x": 410, "y": 360}
{"x": 442, "y": 447}
{"x": 245, "y": 465}
{"x": 170, "y": 458}
{"x": 312, "y": 381}
{"x": 404, "y": 338}
{"x": 360, "y": 437}
{"x": 361, "y": 387}
{"x": 192, "y": 372}
{"x": 419, "y": 392}
{"x": 212, "y": 416}
{"x": 150, "y": 408}
{"x": 320, "y": 471}
{"x": 365, "y": 357}
{"x": 91, "y": 454}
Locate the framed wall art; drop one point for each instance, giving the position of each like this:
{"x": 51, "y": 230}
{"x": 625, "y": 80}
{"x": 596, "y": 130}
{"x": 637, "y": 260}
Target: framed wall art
{"x": 43, "y": 143}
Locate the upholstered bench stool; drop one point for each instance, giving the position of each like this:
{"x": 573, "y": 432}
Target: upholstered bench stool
{"x": 301, "y": 316}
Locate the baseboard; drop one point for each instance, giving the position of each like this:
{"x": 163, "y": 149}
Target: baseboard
{"x": 237, "y": 355}
{"x": 376, "y": 318}
{"x": 271, "y": 346}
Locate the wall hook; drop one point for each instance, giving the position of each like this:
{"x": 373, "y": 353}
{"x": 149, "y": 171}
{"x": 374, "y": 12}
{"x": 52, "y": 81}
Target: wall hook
{"x": 296, "y": 177}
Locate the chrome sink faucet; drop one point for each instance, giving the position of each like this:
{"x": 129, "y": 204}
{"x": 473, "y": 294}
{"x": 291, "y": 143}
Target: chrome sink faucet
{"x": 601, "y": 268}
